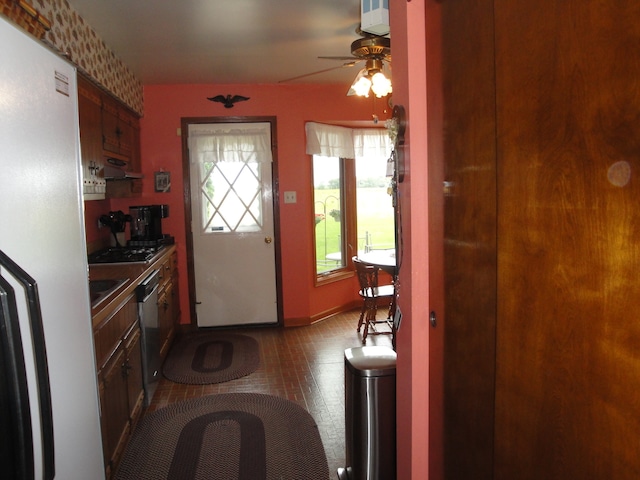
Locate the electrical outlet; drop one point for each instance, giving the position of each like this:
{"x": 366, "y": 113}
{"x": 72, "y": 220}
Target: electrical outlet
{"x": 290, "y": 197}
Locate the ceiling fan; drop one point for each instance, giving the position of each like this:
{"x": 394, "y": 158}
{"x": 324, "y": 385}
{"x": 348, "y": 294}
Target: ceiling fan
{"x": 375, "y": 51}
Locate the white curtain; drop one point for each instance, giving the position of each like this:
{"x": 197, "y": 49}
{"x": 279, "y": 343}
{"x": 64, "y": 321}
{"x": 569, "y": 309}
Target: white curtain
{"x": 329, "y": 140}
{"x": 334, "y": 141}
{"x": 372, "y": 142}
{"x": 230, "y": 142}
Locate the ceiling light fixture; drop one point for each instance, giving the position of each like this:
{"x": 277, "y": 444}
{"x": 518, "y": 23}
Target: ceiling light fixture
{"x": 371, "y": 78}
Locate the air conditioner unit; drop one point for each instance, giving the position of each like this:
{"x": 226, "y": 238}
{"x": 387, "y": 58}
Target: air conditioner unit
{"x": 374, "y": 16}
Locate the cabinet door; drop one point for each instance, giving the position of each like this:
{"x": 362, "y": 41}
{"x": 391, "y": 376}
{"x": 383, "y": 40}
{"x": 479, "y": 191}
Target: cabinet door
{"x": 110, "y": 126}
{"x": 135, "y": 388}
{"x": 126, "y": 134}
{"x": 163, "y": 273}
{"x": 119, "y": 133}
{"x": 115, "y": 406}
{"x": 164, "y": 319}
{"x": 135, "y": 163}
{"x": 90, "y": 118}
{"x": 108, "y": 334}
{"x": 175, "y": 314}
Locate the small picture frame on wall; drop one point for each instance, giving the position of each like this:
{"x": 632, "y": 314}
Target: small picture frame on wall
{"x": 163, "y": 181}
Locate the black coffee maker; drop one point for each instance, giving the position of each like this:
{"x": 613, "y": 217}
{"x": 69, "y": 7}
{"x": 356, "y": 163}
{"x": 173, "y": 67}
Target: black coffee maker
{"x": 146, "y": 225}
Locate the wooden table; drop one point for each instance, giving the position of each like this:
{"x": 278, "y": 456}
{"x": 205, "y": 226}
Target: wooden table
{"x": 385, "y": 260}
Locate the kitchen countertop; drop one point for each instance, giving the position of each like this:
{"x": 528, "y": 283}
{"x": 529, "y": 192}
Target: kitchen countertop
{"x": 135, "y": 272}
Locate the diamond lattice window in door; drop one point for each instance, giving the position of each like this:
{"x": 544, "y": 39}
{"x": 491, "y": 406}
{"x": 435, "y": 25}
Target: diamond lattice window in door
{"x": 231, "y": 194}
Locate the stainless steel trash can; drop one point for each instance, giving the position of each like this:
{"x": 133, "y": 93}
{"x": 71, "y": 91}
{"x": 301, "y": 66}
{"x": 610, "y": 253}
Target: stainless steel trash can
{"x": 370, "y": 414}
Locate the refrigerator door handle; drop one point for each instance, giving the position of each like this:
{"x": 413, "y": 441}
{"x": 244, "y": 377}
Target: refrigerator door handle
{"x": 40, "y": 360}
{"x": 17, "y": 451}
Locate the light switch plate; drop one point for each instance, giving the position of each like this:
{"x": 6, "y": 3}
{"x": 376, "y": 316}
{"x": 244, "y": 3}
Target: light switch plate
{"x": 290, "y": 197}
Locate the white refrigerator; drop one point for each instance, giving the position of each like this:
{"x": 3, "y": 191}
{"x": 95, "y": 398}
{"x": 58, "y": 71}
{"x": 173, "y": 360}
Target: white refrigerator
{"x": 49, "y": 407}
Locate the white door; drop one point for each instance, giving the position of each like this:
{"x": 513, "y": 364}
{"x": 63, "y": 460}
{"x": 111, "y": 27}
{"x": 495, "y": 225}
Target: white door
{"x": 232, "y": 223}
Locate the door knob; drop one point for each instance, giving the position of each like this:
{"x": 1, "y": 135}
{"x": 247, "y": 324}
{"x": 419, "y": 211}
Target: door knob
{"x": 268, "y": 239}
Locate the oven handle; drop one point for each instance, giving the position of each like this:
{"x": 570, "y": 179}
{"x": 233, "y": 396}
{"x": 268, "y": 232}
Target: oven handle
{"x": 147, "y": 286}
{"x": 149, "y": 294}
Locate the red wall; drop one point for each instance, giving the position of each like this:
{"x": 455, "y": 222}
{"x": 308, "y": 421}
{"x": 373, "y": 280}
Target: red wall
{"x": 165, "y": 105}
{"x": 419, "y": 438}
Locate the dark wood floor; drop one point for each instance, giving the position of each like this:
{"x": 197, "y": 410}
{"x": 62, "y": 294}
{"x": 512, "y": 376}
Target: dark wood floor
{"x": 302, "y": 364}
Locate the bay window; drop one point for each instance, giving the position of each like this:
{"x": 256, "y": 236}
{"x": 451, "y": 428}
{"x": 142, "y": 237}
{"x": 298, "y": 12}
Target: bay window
{"x": 352, "y": 210}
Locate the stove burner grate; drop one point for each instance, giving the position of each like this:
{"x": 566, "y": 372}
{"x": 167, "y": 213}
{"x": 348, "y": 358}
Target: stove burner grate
{"x": 122, "y": 255}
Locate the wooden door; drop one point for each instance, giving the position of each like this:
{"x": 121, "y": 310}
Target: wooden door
{"x": 568, "y": 352}
{"x": 542, "y": 145}
{"x": 470, "y": 238}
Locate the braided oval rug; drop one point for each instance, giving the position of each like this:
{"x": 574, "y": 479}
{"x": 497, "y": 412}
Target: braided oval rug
{"x": 211, "y": 357}
{"x": 243, "y": 436}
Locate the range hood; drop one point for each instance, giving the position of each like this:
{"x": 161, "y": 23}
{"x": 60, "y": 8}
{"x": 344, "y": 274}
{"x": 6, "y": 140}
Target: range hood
{"x": 117, "y": 173}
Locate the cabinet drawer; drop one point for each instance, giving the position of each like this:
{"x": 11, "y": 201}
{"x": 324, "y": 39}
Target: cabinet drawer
{"x": 164, "y": 272}
{"x": 108, "y": 334}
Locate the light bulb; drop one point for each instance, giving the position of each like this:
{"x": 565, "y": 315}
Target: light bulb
{"x": 362, "y": 86}
{"x": 380, "y": 85}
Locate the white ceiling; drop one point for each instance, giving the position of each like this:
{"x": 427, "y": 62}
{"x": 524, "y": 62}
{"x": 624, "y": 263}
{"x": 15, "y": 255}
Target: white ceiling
{"x": 227, "y": 41}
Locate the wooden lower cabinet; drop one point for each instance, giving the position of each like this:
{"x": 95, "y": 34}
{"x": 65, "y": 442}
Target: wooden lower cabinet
{"x": 119, "y": 358}
{"x": 133, "y": 366}
{"x": 168, "y": 303}
{"x": 175, "y": 313}
{"x": 114, "y": 408}
{"x": 165, "y": 322}
{"x": 118, "y": 350}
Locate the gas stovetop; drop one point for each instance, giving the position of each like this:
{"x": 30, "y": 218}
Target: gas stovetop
{"x": 123, "y": 255}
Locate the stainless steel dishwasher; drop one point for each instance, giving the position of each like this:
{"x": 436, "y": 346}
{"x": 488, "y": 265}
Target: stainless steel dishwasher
{"x": 147, "y": 294}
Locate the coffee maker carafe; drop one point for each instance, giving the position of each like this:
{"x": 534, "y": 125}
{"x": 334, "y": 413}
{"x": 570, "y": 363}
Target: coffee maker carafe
{"x": 146, "y": 224}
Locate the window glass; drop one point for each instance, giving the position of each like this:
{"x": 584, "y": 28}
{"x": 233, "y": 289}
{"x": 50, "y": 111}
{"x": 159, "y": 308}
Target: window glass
{"x": 375, "y": 212}
{"x": 231, "y": 194}
{"x": 329, "y": 214}
{"x": 369, "y": 212}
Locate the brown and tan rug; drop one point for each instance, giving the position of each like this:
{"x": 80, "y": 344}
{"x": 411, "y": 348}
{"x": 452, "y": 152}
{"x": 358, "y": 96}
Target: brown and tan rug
{"x": 211, "y": 357}
{"x": 243, "y": 436}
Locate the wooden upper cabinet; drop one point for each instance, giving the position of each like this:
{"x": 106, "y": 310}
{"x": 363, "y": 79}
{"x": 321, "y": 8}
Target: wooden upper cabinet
{"x": 120, "y": 133}
{"x": 90, "y": 119}
{"x": 109, "y": 133}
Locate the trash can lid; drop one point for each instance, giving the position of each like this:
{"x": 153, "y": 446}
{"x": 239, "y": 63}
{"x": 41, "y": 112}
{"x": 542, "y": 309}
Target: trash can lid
{"x": 373, "y": 361}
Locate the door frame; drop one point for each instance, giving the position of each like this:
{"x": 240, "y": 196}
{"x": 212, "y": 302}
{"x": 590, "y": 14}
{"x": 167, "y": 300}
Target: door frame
{"x": 186, "y": 177}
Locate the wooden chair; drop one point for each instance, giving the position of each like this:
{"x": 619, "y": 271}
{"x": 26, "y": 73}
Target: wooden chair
{"x": 372, "y": 294}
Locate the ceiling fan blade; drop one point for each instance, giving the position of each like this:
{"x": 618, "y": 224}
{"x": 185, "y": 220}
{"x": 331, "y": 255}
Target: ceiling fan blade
{"x": 341, "y": 58}
{"x": 348, "y": 64}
